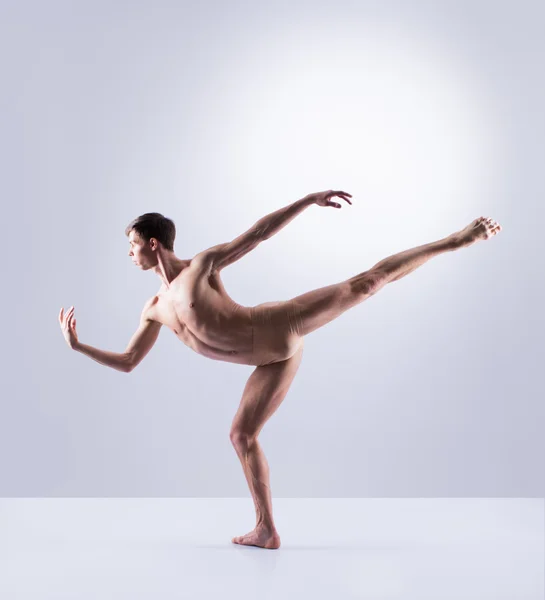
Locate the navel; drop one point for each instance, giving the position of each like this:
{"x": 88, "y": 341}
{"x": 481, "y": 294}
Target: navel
{"x": 191, "y": 304}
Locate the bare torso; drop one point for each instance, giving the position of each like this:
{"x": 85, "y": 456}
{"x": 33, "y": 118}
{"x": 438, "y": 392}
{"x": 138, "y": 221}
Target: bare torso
{"x": 197, "y": 308}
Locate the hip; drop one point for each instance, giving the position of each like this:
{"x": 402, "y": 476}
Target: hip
{"x": 277, "y": 331}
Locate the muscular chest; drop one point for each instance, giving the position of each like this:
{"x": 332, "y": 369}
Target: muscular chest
{"x": 192, "y": 301}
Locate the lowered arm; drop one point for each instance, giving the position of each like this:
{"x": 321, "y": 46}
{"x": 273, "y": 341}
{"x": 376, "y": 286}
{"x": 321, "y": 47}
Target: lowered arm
{"x": 143, "y": 339}
{"x": 139, "y": 345}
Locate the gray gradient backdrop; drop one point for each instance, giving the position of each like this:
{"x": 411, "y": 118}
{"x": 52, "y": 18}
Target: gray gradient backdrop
{"x": 430, "y": 114}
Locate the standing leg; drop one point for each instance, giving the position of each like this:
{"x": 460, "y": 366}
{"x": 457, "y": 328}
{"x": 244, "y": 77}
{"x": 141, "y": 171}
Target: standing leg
{"x": 264, "y": 392}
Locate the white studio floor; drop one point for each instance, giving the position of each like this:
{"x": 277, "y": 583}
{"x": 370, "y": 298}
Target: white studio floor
{"x": 376, "y": 548}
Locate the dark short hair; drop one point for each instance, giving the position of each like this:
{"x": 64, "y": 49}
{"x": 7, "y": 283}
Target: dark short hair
{"x": 154, "y": 225}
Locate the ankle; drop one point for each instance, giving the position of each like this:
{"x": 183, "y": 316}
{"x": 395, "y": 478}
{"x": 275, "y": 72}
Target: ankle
{"x": 266, "y": 526}
{"x": 456, "y": 241}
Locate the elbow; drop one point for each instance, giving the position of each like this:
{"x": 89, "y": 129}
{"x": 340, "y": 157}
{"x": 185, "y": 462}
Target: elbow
{"x": 128, "y": 364}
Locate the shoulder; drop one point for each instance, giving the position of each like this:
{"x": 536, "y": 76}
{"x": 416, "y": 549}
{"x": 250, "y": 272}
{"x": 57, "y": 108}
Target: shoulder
{"x": 208, "y": 254}
{"x": 206, "y": 258}
{"x": 147, "y": 311}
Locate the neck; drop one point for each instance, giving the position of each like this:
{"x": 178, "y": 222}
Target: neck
{"x": 169, "y": 267}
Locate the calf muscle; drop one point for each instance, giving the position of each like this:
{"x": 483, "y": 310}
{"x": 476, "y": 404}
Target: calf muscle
{"x": 398, "y": 265}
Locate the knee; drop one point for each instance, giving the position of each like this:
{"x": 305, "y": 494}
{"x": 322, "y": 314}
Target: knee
{"x": 241, "y": 440}
{"x": 368, "y": 282}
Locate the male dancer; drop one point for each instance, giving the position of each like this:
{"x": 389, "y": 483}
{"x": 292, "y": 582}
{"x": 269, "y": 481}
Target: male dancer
{"x": 193, "y": 303}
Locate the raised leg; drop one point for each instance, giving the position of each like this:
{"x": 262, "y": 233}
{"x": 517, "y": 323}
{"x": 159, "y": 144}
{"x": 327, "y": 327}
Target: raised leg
{"x": 316, "y": 308}
{"x": 398, "y": 265}
{"x": 264, "y": 392}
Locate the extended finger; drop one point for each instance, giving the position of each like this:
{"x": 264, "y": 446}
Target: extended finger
{"x": 68, "y": 314}
{"x": 343, "y": 194}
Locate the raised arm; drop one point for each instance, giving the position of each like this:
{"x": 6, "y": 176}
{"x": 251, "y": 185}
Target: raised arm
{"x": 274, "y": 222}
{"x": 225, "y": 254}
{"x": 139, "y": 345}
{"x": 228, "y": 253}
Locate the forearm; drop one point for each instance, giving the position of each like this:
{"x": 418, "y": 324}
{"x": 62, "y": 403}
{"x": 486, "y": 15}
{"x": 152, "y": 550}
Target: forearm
{"x": 274, "y": 222}
{"x": 117, "y": 361}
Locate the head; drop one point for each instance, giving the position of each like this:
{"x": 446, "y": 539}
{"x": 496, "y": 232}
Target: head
{"x": 149, "y": 234}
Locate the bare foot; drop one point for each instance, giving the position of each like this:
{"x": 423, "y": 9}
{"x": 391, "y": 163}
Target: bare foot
{"x": 480, "y": 229}
{"x": 260, "y": 536}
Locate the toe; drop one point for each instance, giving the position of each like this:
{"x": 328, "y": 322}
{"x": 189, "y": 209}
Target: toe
{"x": 239, "y": 539}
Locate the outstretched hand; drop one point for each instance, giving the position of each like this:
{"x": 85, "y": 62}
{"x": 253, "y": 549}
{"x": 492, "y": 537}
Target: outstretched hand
{"x": 323, "y": 198}
{"x": 68, "y": 326}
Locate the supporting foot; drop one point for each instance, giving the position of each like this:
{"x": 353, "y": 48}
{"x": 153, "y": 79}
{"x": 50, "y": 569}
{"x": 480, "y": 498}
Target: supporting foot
{"x": 261, "y": 536}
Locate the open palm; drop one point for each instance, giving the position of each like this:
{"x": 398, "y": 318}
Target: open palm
{"x": 68, "y": 326}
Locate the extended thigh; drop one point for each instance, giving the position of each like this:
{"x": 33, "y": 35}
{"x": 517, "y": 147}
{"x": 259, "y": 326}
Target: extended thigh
{"x": 265, "y": 389}
{"x": 318, "y": 307}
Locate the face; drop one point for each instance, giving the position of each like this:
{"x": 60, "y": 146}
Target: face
{"x": 139, "y": 251}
